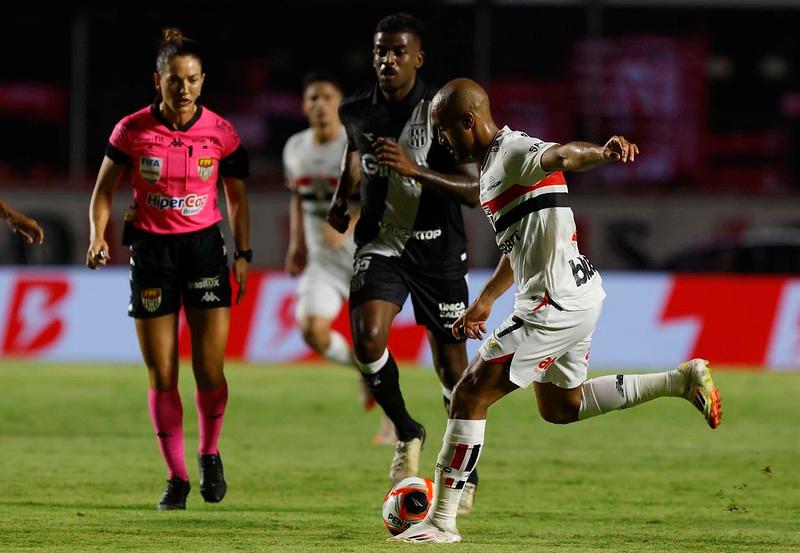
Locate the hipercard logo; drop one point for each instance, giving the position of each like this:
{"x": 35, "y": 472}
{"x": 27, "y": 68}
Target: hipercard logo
{"x": 188, "y": 205}
{"x": 150, "y": 168}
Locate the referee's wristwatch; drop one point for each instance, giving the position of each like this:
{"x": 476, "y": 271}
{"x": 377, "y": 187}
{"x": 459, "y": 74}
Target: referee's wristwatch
{"x": 247, "y": 255}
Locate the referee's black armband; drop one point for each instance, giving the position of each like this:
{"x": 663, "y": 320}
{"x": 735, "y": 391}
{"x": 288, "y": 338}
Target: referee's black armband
{"x": 236, "y": 165}
{"x": 117, "y": 156}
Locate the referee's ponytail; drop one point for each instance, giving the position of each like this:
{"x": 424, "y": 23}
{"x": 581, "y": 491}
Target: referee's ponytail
{"x": 173, "y": 43}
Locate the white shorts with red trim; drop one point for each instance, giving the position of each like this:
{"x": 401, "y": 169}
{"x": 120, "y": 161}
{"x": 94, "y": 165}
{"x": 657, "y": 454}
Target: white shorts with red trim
{"x": 543, "y": 343}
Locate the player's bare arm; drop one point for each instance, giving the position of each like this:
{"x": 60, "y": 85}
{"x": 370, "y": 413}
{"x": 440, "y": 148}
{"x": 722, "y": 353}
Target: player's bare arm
{"x": 472, "y": 323}
{"x": 349, "y": 179}
{"x": 583, "y": 156}
{"x": 21, "y": 224}
{"x": 296, "y": 254}
{"x": 239, "y": 216}
{"x": 100, "y": 210}
{"x": 463, "y": 187}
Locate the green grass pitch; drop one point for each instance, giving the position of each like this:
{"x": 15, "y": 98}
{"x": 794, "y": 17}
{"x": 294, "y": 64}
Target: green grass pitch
{"x": 80, "y": 469}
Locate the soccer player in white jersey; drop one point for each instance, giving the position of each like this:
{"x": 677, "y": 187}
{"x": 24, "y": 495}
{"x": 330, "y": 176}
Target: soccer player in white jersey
{"x": 545, "y": 342}
{"x": 321, "y": 256}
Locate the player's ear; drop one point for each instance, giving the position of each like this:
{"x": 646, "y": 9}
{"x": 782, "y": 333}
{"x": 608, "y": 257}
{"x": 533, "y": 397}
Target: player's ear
{"x": 468, "y": 120}
{"x": 420, "y": 61}
{"x": 157, "y": 81}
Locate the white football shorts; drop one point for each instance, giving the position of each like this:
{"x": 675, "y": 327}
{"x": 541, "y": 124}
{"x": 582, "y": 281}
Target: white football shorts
{"x": 544, "y": 344}
{"x": 321, "y": 291}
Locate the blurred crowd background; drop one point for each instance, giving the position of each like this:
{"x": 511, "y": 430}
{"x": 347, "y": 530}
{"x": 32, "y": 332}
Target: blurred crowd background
{"x": 710, "y": 90}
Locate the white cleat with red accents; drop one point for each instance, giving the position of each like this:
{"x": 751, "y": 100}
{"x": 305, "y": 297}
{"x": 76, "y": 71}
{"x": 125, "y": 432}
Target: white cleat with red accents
{"x": 427, "y": 532}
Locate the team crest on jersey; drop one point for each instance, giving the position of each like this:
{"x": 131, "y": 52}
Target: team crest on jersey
{"x": 150, "y": 168}
{"x": 205, "y": 166}
{"x": 151, "y": 299}
{"x": 417, "y": 136}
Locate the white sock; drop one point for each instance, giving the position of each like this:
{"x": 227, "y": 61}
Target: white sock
{"x": 607, "y": 393}
{"x": 375, "y": 366}
{"x": 338, "y": 350}
{"x": 461, "y": 448}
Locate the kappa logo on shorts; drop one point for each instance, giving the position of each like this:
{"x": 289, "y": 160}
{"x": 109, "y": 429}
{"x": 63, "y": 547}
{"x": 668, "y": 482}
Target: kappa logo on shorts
{"x": 151, "y": 299}
{"x": 205, "y": 283}
{"x": 150, "y": 168}
{"x": 205, "y": 166}
{"x": 209, "y": 297}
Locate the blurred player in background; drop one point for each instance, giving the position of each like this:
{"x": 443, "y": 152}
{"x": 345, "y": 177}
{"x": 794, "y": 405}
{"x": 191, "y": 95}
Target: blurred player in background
{"x": 21, "y": 225}
{"x": 177, "y": 151}
{"x": 545, "y": 342}
{"x": 321, "y": 256}
{"x": 410, "y": 235}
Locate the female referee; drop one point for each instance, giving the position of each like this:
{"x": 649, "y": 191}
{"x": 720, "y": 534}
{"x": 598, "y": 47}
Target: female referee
{"x": 176, "y": 151}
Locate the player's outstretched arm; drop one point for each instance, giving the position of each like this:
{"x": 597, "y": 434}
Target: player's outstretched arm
{"x": 583, "y": 156}
{"x": 463, "y": 186}
{"x": 21, "y": 224}
{"x": 100, "y": 210}
{"x": 349, "y": 181}
{"x": 472, "y": 323}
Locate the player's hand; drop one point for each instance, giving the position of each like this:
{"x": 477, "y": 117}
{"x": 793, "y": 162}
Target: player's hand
{"x": 393, "y": 155}
{"x": 472, "y": 322}
{"x": 25, "y": 227}
{"x": 338, "y": 217}
{"x": 296, "y": 258}
{"x": 240, "y": 276}
{"x": 97, "y": 256}
{"x": 619, "y": 149}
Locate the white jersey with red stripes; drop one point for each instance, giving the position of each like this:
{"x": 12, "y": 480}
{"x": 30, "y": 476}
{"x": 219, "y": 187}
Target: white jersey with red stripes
{"x": 529, "y": 211}
{"x": 312, "y": 171}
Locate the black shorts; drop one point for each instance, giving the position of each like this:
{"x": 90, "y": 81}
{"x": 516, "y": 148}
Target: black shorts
{"x": 437, "y": 302}
{"x": 168, "y": 270}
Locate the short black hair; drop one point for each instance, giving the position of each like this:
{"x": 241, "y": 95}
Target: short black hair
{"x": 320, "y": 77}
{"x": 401, "y": 23}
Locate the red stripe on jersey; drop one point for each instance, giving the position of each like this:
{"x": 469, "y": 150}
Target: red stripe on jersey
{"x": 517, "y": 190}
{"x": 449, "y": 482}
{"x": 458, "y": 456}
{"x": 302, "y": 182}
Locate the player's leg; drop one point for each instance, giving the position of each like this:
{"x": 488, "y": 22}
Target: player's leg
{"x": 483, "y": 383}
{"x": 154, "y": 305}
{"x": 691, "y": 381}
{"x": 438, "y": 302}
{"x": 207, "y": 299}
{"x": 158, "y": 341}
{"x": 450, "y": 361}
{"x": 319, "y": 300}
{"x": 564, "y": 395}
{"x": 318, "y": 303}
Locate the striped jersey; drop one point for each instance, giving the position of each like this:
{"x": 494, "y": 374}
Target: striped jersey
{"x": 312, "y": 170}
{"x": 533, "y": 223}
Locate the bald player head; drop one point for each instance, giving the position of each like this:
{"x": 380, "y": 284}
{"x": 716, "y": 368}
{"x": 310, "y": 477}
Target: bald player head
{"x": 460, "y": 112}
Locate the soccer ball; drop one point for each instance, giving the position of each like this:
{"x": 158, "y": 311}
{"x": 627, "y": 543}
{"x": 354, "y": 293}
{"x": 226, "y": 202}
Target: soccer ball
{"x": 407, "y": 503}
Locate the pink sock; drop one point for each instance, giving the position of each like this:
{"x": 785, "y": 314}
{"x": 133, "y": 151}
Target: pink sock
{"x": 167, "y": 414}
{"x": 210, "y": 412}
